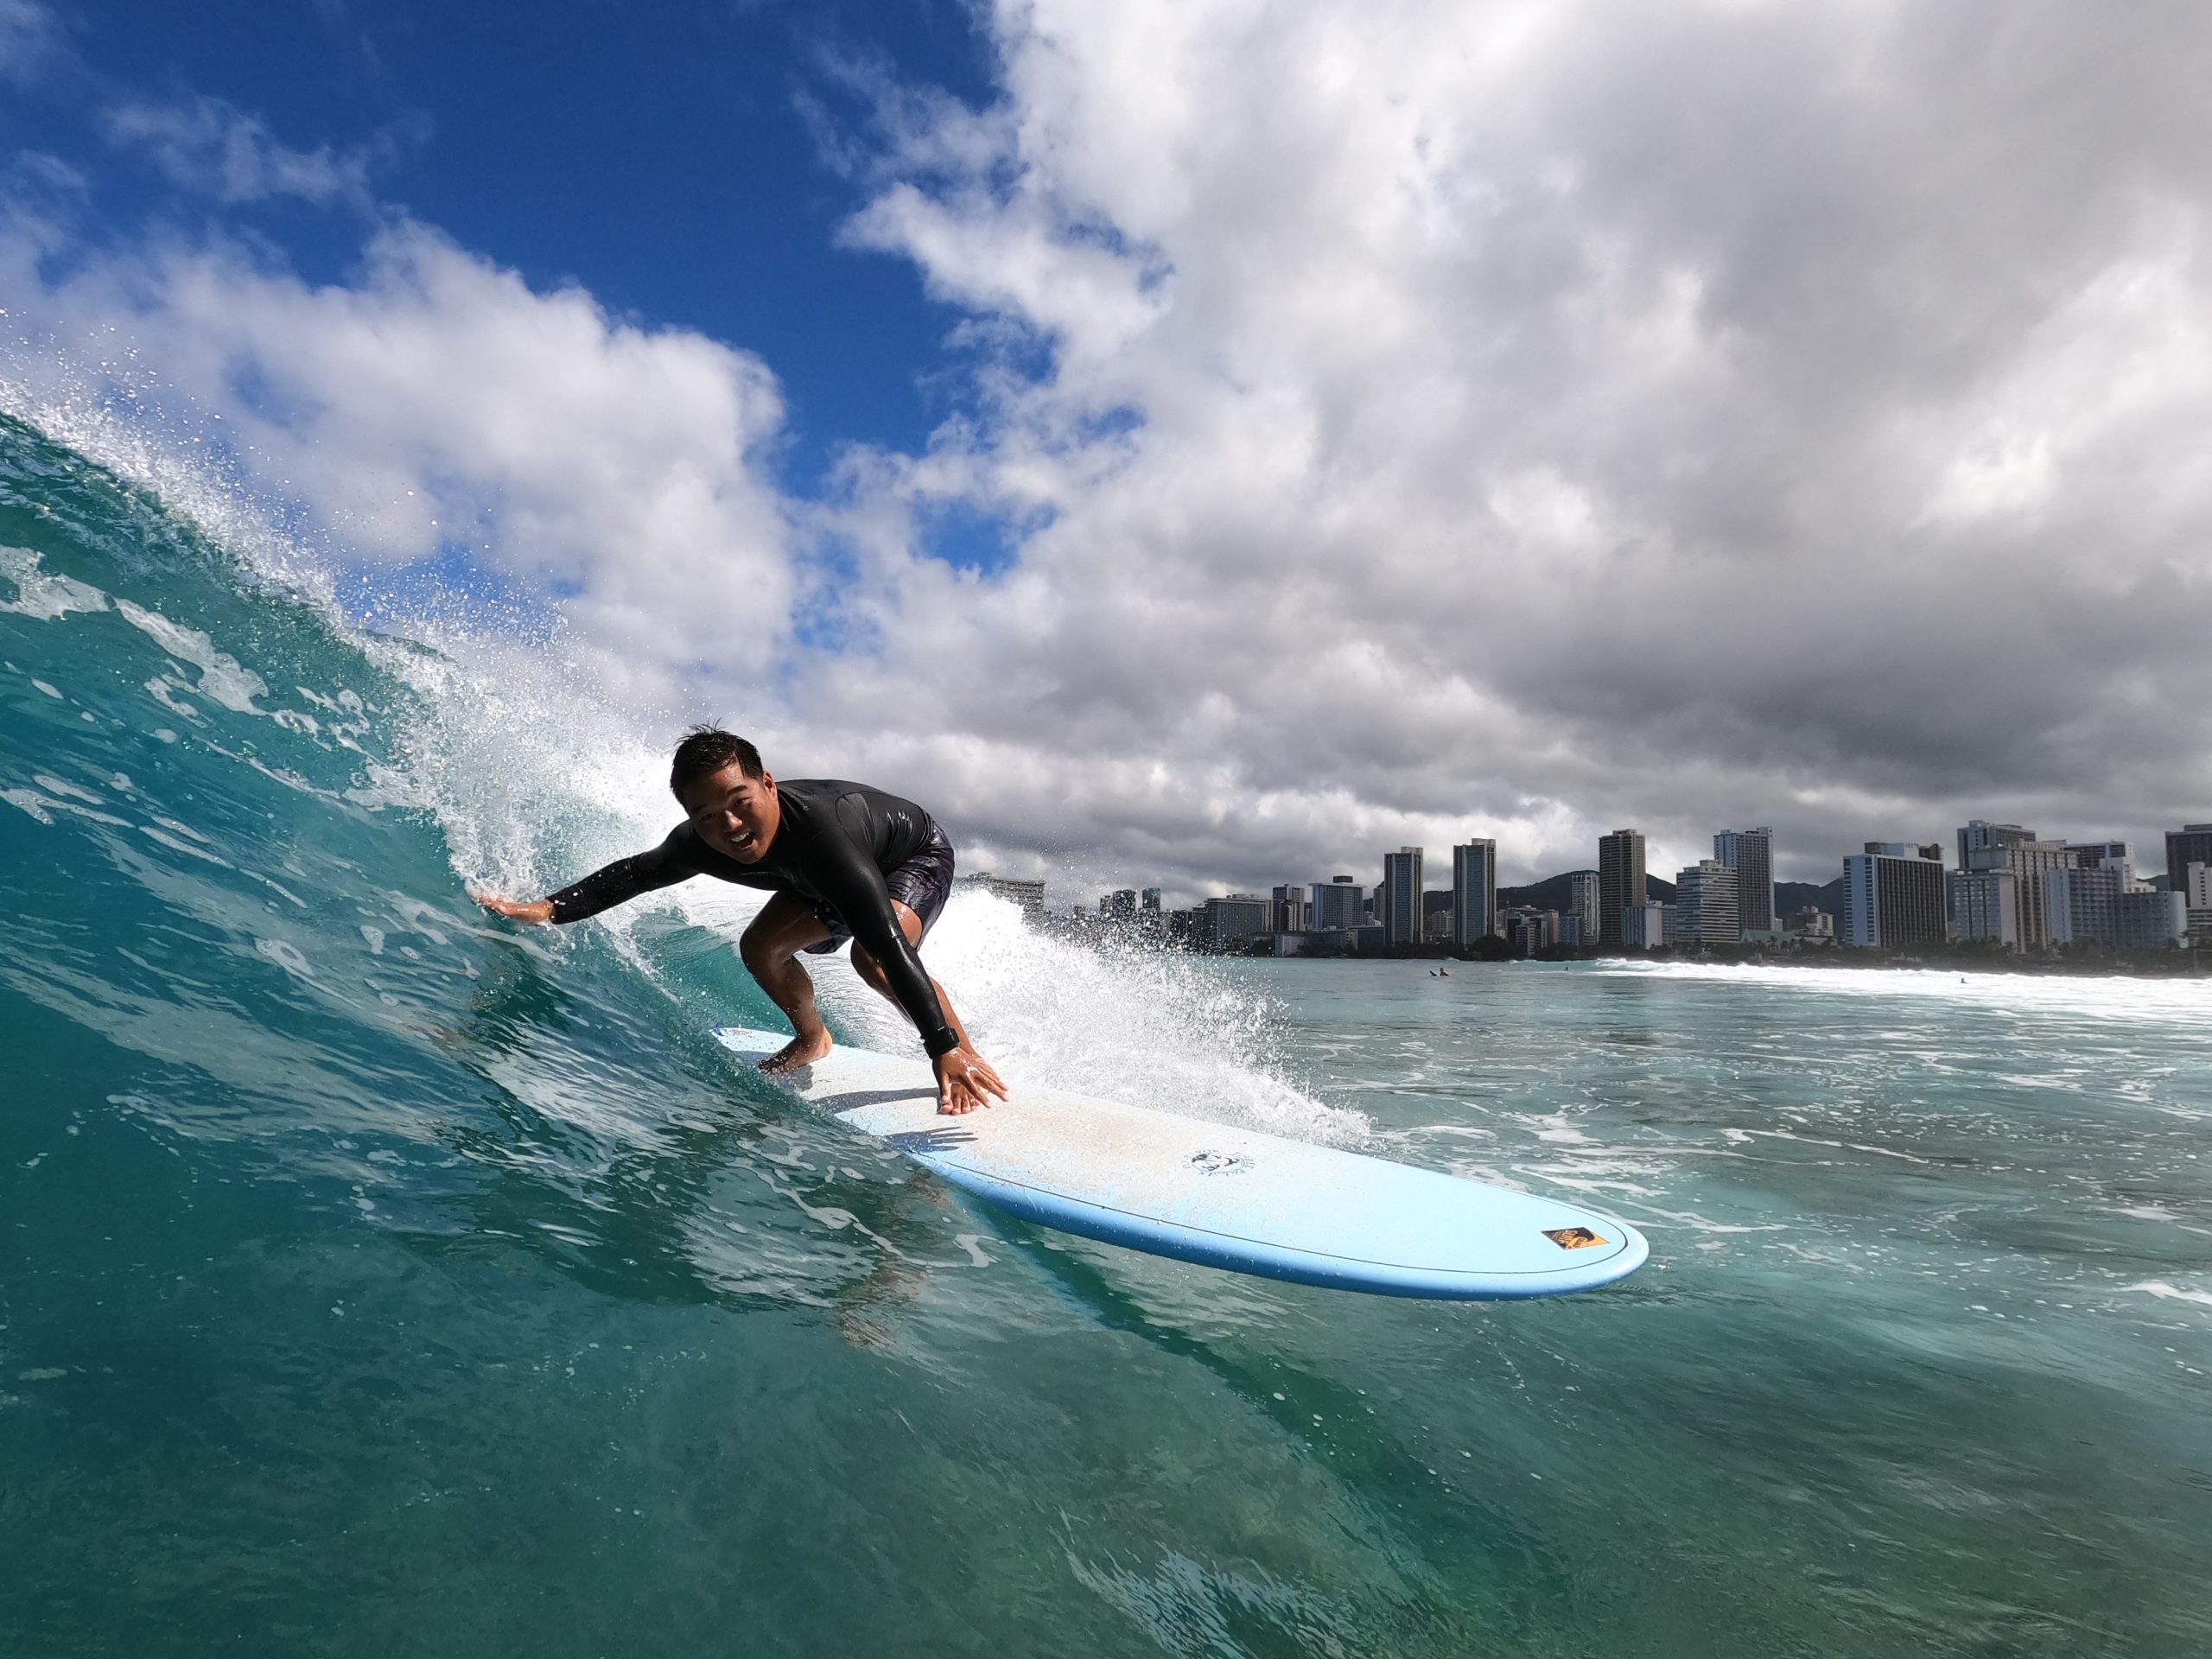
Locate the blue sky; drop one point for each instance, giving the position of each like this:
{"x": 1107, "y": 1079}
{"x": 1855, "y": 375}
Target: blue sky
{"x": 677, "y": 161}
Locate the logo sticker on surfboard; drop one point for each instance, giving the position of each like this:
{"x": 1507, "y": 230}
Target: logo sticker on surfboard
{"x": 1219, "y": 1163}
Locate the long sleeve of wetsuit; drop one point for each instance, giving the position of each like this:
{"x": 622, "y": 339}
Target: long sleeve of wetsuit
{"x": 625, "y": 879}
{"x": 844, "y": 870}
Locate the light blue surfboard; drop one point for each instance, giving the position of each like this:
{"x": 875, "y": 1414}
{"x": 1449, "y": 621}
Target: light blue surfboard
{"x": 1218, "y": 1195}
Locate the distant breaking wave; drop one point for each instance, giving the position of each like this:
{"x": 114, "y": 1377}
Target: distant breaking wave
{"x": 2103, "y": 996}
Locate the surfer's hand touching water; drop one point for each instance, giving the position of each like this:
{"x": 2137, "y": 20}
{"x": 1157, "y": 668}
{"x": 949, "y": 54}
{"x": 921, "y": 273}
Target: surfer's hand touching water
{"x": 963, "y": 1079}
{"x": 530, "y": 914}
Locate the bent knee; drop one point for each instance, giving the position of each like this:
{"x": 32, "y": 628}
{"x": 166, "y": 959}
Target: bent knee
{"x": 757, "y": 953}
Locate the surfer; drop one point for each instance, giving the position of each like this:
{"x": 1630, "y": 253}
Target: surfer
{"x": 840, "y": 860}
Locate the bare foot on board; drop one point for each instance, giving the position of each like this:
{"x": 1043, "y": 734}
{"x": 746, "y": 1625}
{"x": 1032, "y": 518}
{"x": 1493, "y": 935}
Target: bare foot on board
{"x": 800, "y": 1051}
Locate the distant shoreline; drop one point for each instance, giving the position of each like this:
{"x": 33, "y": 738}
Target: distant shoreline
{"x": 2167, "y": 965}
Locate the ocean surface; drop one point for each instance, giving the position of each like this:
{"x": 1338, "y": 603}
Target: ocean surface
{"x": 377, "y": 1280}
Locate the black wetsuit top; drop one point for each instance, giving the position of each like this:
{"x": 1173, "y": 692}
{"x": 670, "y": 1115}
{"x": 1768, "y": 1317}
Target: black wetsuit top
{"x": 833, "y": 848}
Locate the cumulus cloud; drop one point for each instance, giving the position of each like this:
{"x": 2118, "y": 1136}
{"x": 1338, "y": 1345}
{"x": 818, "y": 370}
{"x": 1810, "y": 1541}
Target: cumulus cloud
{"x": 439, "y": 414}
{"x": 1519, "y": 419}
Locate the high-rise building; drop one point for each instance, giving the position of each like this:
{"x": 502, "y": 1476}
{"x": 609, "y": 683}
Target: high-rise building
{"x": 2191, "y": 844}
{"x": 2197, "y": 877}
{"x": 1120, "y": 905}
{"x": 2031, "y": 861}
{"x": 1582, "y": 904}
{"x": 1620, "y": 880}
{"x": 1398, "y": 900}
{"x": 1978, "y": 834}
{"x": 1148, "y": 901}
{"x": 1291, "y": 910}
{"x": 1893, "y": 896}
{"x": 1750, "y": 853}
{"x": 1705, "y": 905}
{"x": 2152, "y": 918}
{"x": 2081, "y": 906}
{"x": 1644, "y": 927}
{"x": 2115, "y": 855}
{"x": 1338, "y": 905}
{"x": 1474, "y": 891}
{"x": 1232, "y": 923}
{"x": 1985, "y": 907}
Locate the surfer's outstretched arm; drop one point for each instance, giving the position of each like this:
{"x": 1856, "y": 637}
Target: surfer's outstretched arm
{"x": 673, "y": 861}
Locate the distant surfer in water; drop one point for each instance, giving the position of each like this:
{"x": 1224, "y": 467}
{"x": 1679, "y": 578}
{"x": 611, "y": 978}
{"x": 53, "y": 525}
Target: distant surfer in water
{"x": 840, "y": 862}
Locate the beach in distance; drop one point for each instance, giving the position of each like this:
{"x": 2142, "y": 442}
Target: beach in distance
{"x": 2175, "y": 964}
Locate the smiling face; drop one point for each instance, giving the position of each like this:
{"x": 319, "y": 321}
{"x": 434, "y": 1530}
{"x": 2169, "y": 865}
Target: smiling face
{"x": 735, "y": 814}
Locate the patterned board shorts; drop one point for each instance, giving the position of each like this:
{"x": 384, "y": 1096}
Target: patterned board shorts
{"x": 922, "y": 883}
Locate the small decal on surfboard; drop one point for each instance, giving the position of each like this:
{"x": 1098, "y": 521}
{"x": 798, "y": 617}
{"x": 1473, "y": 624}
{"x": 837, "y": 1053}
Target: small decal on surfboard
{"x": 1573, "y": 1238}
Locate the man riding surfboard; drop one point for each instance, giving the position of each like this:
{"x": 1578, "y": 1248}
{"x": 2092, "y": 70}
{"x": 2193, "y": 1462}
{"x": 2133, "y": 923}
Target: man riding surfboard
{"x": 840, "y": 860}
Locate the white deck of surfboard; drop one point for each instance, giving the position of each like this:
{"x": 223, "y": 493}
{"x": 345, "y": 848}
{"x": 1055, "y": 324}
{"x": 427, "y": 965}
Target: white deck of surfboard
{"x": 1217, "y": 1194}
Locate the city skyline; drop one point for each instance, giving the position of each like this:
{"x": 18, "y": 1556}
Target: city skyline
{"x": 1982, "y": 847}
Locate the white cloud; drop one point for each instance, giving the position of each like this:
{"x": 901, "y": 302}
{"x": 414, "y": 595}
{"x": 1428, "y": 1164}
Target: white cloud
{"x": 1518, "y": 419}
{"x": 442, "y": 403}
{"x": 207, "y": 145}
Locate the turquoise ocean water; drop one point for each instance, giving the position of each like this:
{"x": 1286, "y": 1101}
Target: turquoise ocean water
{"x": 376, "y": 1281}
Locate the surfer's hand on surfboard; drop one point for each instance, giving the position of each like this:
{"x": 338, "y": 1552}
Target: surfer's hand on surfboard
{"x": 516, "y": 910}
{"x": 963, "y": 1080}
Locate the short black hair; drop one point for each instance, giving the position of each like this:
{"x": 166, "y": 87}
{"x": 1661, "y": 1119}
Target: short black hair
{"x": 705, "y": 750}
